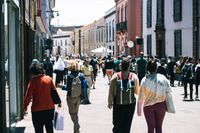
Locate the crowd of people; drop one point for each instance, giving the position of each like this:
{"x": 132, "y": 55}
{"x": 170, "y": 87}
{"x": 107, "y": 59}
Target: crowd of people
{"x": 149, "y": 78}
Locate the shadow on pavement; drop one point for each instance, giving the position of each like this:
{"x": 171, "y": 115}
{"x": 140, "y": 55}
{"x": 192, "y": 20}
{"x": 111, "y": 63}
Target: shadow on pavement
{"x": 188, "y": 100}
{"x": 19, "y": 129}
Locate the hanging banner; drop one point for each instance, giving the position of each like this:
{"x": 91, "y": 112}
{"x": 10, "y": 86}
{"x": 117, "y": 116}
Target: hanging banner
{"x": 27, "y": 11}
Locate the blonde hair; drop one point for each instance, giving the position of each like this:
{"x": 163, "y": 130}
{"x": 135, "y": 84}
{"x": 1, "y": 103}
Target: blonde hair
{"x": 73, "y": 65}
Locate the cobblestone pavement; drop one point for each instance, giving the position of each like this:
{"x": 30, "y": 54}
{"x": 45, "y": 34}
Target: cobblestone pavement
{"x": 97, "y": 118}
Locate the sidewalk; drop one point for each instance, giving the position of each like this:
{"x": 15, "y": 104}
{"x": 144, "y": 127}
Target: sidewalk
{"x": 97, "y": 118}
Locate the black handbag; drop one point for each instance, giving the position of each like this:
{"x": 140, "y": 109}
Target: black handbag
{"x": 55, "y": 96}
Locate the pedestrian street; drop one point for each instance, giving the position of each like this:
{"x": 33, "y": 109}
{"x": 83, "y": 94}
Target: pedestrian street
{"x": 97, "y": 118}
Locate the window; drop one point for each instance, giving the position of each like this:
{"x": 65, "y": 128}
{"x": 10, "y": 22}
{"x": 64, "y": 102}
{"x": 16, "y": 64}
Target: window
{"x": 122, "y": 14}
{"x": 149, "y": 46}
{"x": 149, "y": 13}
{"x": 177, "y": 10}
{"x": 126, "y": 13}
{"x": 102, "y": 30}
{"x": 118, "y": 16}
{"x": 113, "y": 30}
{"x": 177, "y": 43}
{"x": 110, "y": 31}
{"x": 55, "y": 42}
{"x": 160, "y": 12}
{"x": 65, "y": 42}
{"x": 97, "y": 36}
{"x": 107, "y": 32}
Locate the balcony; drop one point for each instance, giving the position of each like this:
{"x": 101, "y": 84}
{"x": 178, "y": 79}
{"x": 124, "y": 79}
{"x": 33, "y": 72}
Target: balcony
{"x": 121, "y": 27}
{"x": 124, "y": 26}
{"x": 118, "y": 27}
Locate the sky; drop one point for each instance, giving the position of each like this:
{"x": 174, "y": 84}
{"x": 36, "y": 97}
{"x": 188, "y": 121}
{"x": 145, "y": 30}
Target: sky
{"x": 80, "y": 12}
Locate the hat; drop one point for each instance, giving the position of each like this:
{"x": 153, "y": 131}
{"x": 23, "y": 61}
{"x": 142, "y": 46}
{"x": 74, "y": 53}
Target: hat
{"x": 35, "y": 61}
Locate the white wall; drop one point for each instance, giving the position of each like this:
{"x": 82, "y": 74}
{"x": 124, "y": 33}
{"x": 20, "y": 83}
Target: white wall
{"x": 61, "y": 38}
{"x": 149, "y": 31}
{"x": 185, "y": 25}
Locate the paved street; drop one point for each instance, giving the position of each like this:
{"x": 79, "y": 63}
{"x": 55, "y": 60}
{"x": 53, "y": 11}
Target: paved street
{"x": 97, "y": 118}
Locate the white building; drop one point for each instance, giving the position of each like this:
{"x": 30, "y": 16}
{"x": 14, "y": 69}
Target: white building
{"x": 168, "y": 28}
{"x": 62, "y": 41}
{"x": 110, "y": 29}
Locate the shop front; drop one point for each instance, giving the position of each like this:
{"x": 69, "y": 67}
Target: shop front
{"x": 11, "y": 96}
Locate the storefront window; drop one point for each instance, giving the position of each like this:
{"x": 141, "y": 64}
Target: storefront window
{"x": 11, "y": 58}
{"x": 7, "y": 83}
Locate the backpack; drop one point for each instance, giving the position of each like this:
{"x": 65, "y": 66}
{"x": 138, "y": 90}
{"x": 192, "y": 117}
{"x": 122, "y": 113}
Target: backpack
{"x": 125, "y": 96}
{"x": 190, "y": 74}
{"x": 184, "y": 71}
{"x": 76, "y": 89}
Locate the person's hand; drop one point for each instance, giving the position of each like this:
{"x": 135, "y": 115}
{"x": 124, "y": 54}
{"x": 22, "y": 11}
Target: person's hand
{"x": 59, "y": 105}
{"x": 139, "y": 113}
{"x": 110, "y": 106}
{"x": 25, "y": 112}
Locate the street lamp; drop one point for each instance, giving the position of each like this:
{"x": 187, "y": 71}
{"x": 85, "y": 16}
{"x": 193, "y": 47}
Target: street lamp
{"x": 52, "y": 11}
{"x": 49, "y": 41}
{"x": 52, "y": 15}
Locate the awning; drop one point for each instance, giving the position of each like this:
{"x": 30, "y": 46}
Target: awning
{"x": 101, "y": 50}
{"x": 41, "y": 24}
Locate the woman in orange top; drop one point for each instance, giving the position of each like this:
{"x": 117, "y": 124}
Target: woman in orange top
{"x": 39, "y": 90}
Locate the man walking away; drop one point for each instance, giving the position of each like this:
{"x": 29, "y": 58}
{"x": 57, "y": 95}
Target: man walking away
{"x": 123, "y": 87}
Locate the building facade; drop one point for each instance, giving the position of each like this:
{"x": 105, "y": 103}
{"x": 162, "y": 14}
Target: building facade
{"x": 88, "y": 33}
{"x": 168, "y": 28}
{"x": 110, "y": 30}
{"x": 18, "y": 47}
{"x": 61, "y": 41}
{"x": 100, "y": 33}
{"x": 128, "y": 26}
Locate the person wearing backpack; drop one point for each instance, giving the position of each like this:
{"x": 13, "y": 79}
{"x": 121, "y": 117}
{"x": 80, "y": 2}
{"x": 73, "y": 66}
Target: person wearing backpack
{"x": 184, "y": 76}
{"x": 75, "y": 86}
{"x": 88, "y": 72}
{"x": 190, "y": 75}
{"x": 123, "y": 87}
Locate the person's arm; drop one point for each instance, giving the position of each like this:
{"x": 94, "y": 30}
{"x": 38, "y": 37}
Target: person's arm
{"x": 140, "y": 102}
{"x": 136, "y": 81}
{"x": 112, "y": 90}
{"x": 91, "y": 71}
{"x": 141, "y": 98}
{"x": 28, "y": 96}
{"x": 52, "y": 84}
